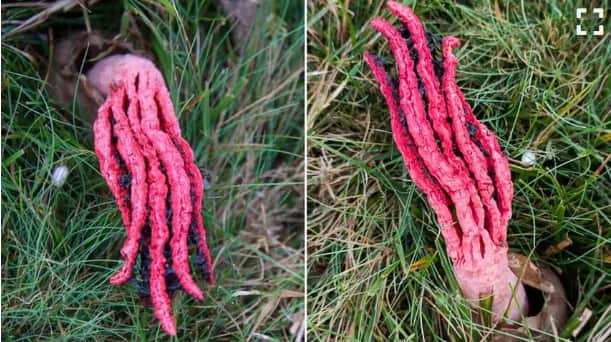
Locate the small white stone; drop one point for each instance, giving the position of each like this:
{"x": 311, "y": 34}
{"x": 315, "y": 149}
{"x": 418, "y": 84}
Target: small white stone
{"x": 529, "y": 158}
{"x": 59, "y": 175}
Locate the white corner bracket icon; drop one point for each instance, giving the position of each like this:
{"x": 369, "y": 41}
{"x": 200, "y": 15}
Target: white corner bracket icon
{"x": 601, "y": 28}
{"x": 578, "y": 14}
{"x": 601, "y": 15}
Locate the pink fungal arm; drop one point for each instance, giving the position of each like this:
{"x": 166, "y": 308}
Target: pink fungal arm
{"x": 453, "y": 158}
{"x": 151, "y": 172}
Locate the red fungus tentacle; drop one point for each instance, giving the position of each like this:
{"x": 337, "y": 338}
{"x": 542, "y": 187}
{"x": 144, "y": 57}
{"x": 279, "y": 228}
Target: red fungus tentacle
{"x": 469, "y": 209}
{"x": 497, "y": 162}
{"x": 106, "y": 153}
{"x": 436, "y": 105}
{"x": 483, "y": 159}
{"x": 159, "y": 237}
{"x": 170, "y": 125}
{"x": 474, "y": 157}
{"x": 179, "y": 181}
{"x": 435, "y": 195}
{"x": 158, "y": 192}
{"x": 197, "y": 187}
{"x": 181, "y": 210}
{"x": 131, "y": 153}
{"x": 166, "y": 112}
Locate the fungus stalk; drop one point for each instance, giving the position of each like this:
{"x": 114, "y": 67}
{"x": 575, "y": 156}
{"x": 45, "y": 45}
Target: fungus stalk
{"x": 151, "y": 172}
{"x": 453, "y": 159}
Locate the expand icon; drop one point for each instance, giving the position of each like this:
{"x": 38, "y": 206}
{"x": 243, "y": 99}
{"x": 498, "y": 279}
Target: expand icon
{"x": 597, "y": 11}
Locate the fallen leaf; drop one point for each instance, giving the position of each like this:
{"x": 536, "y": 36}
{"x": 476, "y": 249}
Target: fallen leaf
{"x": 419, "y": 264}
{"x": 270, "y": 307}
{"x": 559, "y": 247}
{"x": 554, "y": 313}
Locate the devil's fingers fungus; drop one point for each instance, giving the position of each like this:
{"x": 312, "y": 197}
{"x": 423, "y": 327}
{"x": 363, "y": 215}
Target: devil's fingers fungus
{"x": 151, "y": 172}
{"x": 454, "y": 159}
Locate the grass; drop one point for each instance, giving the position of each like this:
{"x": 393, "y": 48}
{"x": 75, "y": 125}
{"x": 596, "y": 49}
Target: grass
{"x": 377, "y": 266}
{"x": 242, "y": 111}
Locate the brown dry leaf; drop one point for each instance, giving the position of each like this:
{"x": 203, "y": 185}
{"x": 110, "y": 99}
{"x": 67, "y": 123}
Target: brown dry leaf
{"x": 267, "y": 309}
{"x": 554, "y": 313}
{"x": 419, "y": 264}
{"x": 528, "y": 273}
{"x": 68, "y": 61}
{"x": 559, "y": 247}
{"x": 50, "y": 8}
{"x": 270, "y": 307}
